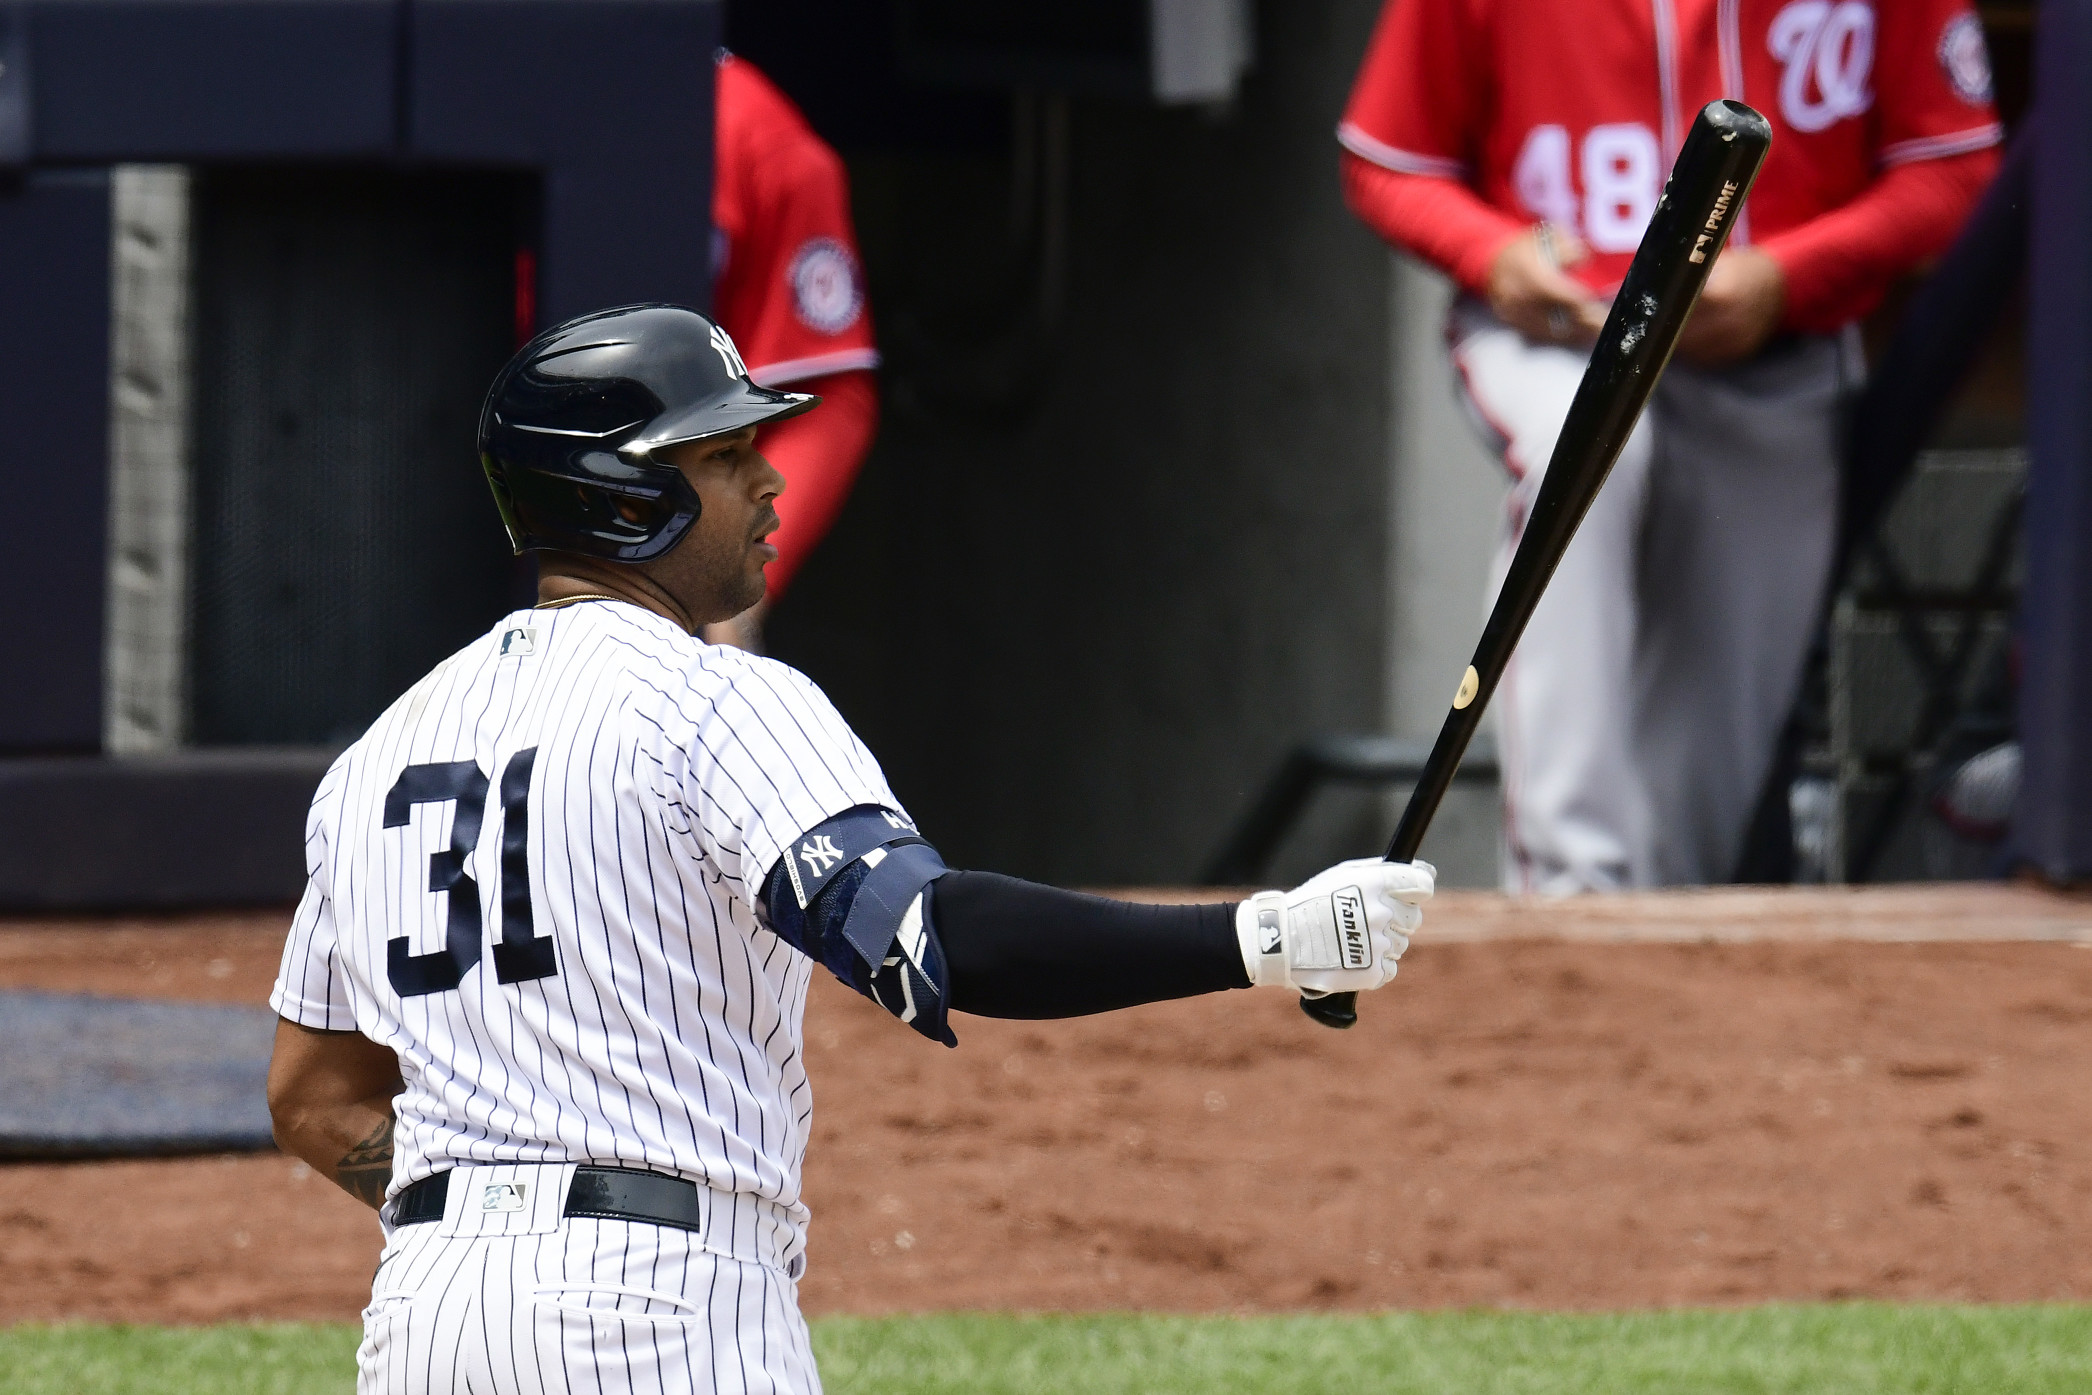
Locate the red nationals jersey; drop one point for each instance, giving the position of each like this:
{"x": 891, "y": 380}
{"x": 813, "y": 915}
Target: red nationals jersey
{"x": 1572, "y": 111}
{"x": 786, "y": 281}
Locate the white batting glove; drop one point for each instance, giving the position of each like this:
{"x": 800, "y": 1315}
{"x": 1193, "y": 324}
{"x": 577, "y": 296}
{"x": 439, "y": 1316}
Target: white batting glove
{"x": 1340, "y": 931}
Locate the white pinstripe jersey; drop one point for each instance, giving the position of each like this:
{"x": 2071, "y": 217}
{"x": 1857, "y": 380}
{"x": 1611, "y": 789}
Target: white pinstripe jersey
{"x": 638, "y": 784}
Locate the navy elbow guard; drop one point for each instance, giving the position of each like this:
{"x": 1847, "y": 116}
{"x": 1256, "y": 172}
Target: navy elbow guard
{"x": 853, "y": 893}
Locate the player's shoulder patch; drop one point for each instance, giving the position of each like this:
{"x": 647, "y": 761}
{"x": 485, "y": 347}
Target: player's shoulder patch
{"x": 1965, "y": 58}
{"x": 827, "y": 292}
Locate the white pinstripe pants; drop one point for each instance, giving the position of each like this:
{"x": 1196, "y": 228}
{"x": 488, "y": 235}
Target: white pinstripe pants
{"x": 579, "y": 1307}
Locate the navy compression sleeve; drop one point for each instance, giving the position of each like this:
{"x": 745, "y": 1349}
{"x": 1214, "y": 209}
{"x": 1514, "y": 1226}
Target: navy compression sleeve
{"x": 1018, "y": 949}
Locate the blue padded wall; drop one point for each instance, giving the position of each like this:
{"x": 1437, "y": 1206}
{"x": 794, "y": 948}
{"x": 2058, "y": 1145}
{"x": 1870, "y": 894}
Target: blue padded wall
{"x": 226, "y": 80}
{"x": 54, "y": 456}
{"x": 607, "y": 102}
{"x": 2052, "y": 828}
{"x": 612, "y": 99}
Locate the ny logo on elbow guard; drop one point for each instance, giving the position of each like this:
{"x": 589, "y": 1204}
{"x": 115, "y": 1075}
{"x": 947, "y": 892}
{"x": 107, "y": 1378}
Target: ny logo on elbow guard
{"x": 819, "y": 854}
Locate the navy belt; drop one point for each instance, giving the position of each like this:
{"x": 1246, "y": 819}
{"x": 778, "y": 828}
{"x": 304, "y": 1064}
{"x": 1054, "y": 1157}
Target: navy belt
{"x": 605, "y": 1193}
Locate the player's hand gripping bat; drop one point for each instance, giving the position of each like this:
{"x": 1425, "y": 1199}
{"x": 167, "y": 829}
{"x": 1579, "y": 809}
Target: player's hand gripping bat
{"x": 1714, "y": 172}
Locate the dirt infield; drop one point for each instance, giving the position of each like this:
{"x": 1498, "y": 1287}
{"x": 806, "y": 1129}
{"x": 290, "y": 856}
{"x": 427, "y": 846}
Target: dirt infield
{"x": 1632, "y": 1112}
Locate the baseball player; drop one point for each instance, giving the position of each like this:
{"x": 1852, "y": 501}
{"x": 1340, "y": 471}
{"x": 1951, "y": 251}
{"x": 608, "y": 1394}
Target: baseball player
{"x": 1520, "y": 148}
{"x": 788, "y": 286}
{"x": 542, "y": 997}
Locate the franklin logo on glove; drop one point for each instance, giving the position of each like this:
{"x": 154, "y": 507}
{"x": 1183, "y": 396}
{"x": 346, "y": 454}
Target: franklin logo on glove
{"x": 1352, "y": 940}
{"x": 1340, "y": 931}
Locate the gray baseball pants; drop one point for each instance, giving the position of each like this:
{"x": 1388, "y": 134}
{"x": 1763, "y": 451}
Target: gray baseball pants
{"x": 1637, "y": 718}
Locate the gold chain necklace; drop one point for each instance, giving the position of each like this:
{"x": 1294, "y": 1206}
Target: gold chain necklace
{"x": 576, "y": 600}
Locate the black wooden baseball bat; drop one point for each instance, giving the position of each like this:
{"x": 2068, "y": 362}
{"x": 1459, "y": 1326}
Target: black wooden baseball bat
{"x": 1715, "y": 169}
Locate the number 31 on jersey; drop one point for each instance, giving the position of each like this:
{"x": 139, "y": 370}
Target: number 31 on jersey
{"x": 521, "y": 955}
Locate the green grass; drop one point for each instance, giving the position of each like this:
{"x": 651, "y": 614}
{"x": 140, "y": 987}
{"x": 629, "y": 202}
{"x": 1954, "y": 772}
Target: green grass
{"x": 1847, "y": 1349}
{"x": 277, "y": 1358}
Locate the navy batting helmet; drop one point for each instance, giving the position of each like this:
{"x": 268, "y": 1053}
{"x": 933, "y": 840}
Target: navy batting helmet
{"x": 571, "y": 426}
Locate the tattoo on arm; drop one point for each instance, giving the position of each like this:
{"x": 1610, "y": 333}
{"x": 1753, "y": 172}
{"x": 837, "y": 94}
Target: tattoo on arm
{"x": 366, "y": 1169}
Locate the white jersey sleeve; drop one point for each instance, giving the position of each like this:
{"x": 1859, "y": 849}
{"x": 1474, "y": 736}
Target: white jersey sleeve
{"x": 311, "y": 988}
{"x": 773, "y": 758}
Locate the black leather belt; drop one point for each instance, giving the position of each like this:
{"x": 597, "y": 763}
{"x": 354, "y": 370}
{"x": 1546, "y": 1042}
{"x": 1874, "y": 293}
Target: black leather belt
{"x": 607, "y": 1193}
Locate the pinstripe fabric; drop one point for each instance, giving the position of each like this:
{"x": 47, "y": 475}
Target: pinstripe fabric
{"x": 668, "y": 775}
{"x": 575, "y": 1306}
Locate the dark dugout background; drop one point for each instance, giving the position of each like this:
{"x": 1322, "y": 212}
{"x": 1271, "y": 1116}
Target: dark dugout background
{"x": 1123, "y": 539}
{"x": 349, "y": 322}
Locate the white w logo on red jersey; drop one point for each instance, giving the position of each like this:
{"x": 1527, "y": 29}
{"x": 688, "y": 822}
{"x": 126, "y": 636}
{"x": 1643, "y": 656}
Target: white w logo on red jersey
{"x": 1829, "y": 52}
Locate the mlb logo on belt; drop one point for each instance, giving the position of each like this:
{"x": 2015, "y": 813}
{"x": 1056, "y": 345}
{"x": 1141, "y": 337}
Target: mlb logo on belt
{"x": 502, "y": 1196}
